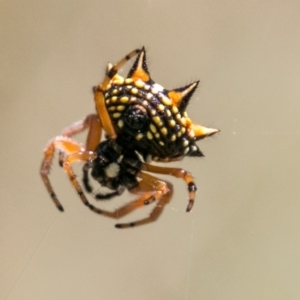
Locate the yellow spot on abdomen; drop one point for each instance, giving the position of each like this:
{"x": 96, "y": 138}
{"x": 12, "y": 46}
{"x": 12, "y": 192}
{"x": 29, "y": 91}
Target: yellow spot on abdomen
{"x": 164, "y": 130}
{"x": 149, "y": 135}
{"x": 124, "y": 99}
{"x": 139, "y": 136}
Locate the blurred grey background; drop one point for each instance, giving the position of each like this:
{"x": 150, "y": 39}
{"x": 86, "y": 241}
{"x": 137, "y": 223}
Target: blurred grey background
{"x": 241, "y": 241}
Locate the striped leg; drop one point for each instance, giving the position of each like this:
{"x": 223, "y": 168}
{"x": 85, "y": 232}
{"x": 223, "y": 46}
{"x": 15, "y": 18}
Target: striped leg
{"x": 82, "y": 156}
{"x": 99, "y": 97}
{"x": 65, "y": 145}
{"x": 152, "y": 188}
{"x": 155, "y": 190}
{"x": 74, "y": 153}
{"x": 160, "y": 191}
{"x": 179, "y": 173}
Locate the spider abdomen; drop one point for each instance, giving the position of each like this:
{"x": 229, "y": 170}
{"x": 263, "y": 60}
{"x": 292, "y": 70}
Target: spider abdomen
{"x": 145, "y": 118}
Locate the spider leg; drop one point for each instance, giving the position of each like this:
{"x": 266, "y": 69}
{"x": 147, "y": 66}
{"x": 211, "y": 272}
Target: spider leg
{"x": 179, "y": 173}
{"x": 76, "y": 152}
{"x": 143, "y": 200}
{"x": 99, "y": 97}
{"x": 152, "y": 189}
{"x": 85, "y": 178}
{"x": 161, "y": 191}
{"x": 94, "y": 133}
{"x": 65, "y": 145}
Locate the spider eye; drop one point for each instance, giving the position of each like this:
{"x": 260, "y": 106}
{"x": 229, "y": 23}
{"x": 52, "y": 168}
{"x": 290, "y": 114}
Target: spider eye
{"x": 136, "y": 117}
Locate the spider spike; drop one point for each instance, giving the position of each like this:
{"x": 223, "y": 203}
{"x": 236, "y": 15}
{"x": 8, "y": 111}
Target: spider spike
{"x": 196, "y": 153}
{"x": 181, "y": 96}
{"x": 139, "y": 70}
{"x": 202, "y": 132}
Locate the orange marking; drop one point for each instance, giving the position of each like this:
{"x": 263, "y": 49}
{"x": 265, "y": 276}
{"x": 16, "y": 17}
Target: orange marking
{"x": 188, "y": 122}
{"x": 201, "y": 131}
{"x": 176, "y": 97}
{"x": 94, "y": 134}
{"x": 104, "y": 116}
{"x": 140, "y": 74}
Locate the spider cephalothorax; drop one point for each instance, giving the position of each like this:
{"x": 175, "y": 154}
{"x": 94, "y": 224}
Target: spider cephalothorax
{"x": 150, "y": 118}
{"x": 114, "y": 167}
{"x": 142, "y": 121}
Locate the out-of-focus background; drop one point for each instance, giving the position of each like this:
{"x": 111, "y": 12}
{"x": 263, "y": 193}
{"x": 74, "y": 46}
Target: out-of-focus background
{"x": 241, "y": 241}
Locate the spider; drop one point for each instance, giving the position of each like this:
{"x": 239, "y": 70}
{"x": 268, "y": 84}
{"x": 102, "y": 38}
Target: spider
{"x": 143, "y": 122}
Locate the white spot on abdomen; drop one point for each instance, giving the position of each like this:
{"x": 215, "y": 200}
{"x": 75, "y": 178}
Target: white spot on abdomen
{"x": 112, "y": 170}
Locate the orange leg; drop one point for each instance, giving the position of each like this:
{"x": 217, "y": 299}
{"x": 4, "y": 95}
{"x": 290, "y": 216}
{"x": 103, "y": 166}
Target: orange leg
{"x": 65, "y": 145}
{"x": 99, "y": 97}
{"x": 74, "y": 153}
{"x": 94, "y": 134}
{"x": 149, "y": 194}
{"x": 161, "y": 191}
{"x": 179, "y": 173}
{"x": 82, "y": 156}
{"x": 92, "y": 123}
{"x": 151, "y": 188}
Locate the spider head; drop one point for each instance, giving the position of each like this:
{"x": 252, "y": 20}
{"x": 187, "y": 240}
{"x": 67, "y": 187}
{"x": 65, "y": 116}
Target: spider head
{"x": 115, "y": 166}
